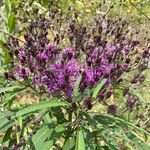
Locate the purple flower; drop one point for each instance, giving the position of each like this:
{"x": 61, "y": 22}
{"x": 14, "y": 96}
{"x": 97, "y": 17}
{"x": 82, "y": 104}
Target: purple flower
{"x": 21, "y": 72}
{"x": 50, "y": 47}
{"x": 72, "y": 70}
{"x": 54, "y": 77}
{"x": 68, "y": 53}
{"x": 35, "y": 79}
{"x": 22, "y": 55}
{"x": 43, "y": 56}
{"x": 103, "y": 59}
{"x": 89, "y": 76}
{"x": 105, "y": 69}
{"x": 110, "y": 50}
{"x": 69, "y": 91}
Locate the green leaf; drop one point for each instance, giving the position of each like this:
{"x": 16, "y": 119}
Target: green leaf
{"x": 121, "y": 121}
{"x": 11, "y": 22}
{"x": 7, "y": 136}
{"x": 8, "y": 89}
{"x": 109, "y": 138}
{"x": 98, "y": 88}
{"x": 89, "y": 138}
{"x": 76, "y": 86}
{"x": 40, "y": 137}
{"x": 80, "y": 143}
{"x": 69, "y": 144}
{"x": 7, "y": 7}
{"x": 39, "y": 106}
{"x": 140, "y": 144}
{"x": 2, "y": 43}
{"x": 5, "y": 124}
{"x": 53, "y": 137}
{"x": 79, "y": 5}
{"x": 4, "y": 114}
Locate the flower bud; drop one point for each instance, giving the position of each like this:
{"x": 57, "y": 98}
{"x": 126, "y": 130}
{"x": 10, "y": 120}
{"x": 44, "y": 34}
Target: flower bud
{"x": 112, "y": 109}
{"x": 74, "y": 106}
{"x": 125, "y": 91}
{"x": 108, "y": 94}
{"x": 128, "y": 60}
{"x": 88, "y": 103}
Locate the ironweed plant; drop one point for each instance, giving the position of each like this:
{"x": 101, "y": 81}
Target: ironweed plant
{"x": 73, "y": 68}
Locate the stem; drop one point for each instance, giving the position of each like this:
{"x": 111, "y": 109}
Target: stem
{"x": 70, "y": 116}
{"x": 11, "y": 36}
{"x": 69, "y": 131}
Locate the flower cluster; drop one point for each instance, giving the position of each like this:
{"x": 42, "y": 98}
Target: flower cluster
{"x": 103, "y": 51}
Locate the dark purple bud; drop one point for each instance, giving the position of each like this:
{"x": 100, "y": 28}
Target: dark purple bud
{"x": 21, "y": 72}
{"x": 119, "y": 80}
{"x": 88, "y": 103}
{"x": 126, "y": 67}
{"x": 74, "y": 106}
{"x": 9, "y": 76}
{"x": 101, "y": 96}
{"x": 135, "y": 43}
{"x": 141, "y": 79}
{"x": 128, "y": 60}
{"x": 82, "y": 86}
{"x": 57, "y": 39}
{"x": 89, "y": 63}
{"x": 71, "y": 38}
{"x": 112, "y": 109}
{"x": 134, "y": 81}
{"x": 42, "y": 44}
{"x": 138, "y": 59}
{"x": 145, "y": 54}
{"x": 83, "y": 30}
{"x": 125, "y": 91}
{"x": 103, "y": 43}
{"x": 108, "y": 94}
{"x": 72, "y": 26}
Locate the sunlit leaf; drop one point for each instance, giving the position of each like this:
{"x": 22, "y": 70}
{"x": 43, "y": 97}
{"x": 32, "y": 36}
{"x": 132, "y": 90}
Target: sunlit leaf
{"x": 11, "y": 22}
{"x": 39, "y": 106}
{"x": 98, "y": 88}
{"x": 80, "y": 143}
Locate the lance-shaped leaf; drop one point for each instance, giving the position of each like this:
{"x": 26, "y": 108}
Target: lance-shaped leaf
{"x": 39, "y": 106}
{"x": 80, "y": 143}
{"x": 98, "y": 88}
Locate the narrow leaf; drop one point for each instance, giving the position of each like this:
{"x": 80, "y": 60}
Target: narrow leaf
{"x": 8, "y": 89}
{"x": 11, "y": 22}
{"x": 40, "y": 137}
{"x": 7, "y": 135}
{"x": 69, "y": 144}
{"x": 80, "y": 143}
{"x": 98, "y": 88}
{"x": 39, "y": 106}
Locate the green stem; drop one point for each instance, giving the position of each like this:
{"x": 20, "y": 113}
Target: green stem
{"x": 69, "y": 131}
{"x": 11, "y": 35}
